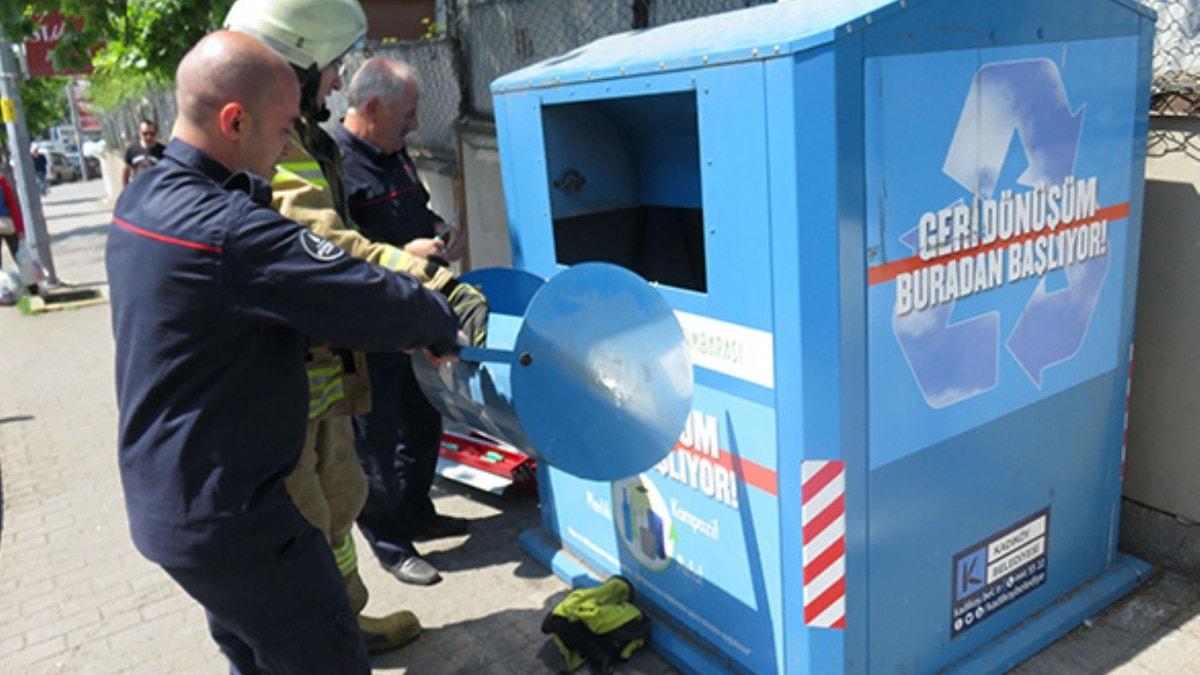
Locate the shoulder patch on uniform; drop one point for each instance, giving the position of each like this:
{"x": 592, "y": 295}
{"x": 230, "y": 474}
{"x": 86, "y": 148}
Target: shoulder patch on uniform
{"x": 321, "y": 250}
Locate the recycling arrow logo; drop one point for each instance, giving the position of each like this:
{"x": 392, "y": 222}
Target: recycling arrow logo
{"x": 1049, "y": 221}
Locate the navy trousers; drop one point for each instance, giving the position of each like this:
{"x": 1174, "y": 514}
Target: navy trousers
{"x": 287, "y": 614}
{"x": 398, "y": 444}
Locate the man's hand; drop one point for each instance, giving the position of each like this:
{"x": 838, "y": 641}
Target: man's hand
{"x": 438, "y": 361}
{"x": 426, "y": 247}
{"x": 454, "y": 241}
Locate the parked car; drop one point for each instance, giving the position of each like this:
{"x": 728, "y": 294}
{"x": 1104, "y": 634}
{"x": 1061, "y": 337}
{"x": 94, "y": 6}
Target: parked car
{"x": 60, "y": 169}
{"x": 94, "y": 148}
{"x": 90, "y": 163}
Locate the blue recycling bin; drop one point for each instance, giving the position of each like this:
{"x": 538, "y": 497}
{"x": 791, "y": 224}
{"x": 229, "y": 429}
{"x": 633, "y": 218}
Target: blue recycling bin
{"x": 902, "y": 241}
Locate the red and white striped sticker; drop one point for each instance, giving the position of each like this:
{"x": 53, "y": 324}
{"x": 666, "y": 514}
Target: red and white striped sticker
{"x": 823, "y": 515}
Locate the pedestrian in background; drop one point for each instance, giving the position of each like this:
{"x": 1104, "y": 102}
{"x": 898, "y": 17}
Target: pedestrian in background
{"x": 12, "y": 228}
{"x": 143, "y": 154}
{"x": 41, "y": 168}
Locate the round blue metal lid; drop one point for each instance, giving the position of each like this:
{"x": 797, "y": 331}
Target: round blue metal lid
{"x": 602, "y": 382}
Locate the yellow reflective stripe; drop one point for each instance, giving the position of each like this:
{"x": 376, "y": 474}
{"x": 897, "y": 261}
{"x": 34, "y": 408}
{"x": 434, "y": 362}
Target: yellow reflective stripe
{"x": 282, "y": 175}
{"x": 301, "y": 166}
{"x": 310, "y": 172}
{"x": 318, "y": 406}
{"x": 324, "y": 388}
{"x": 320, "y": 377}
{"x": 324, "y": 371}
{"x": 395, "y": 259}
{"x": 346, "y": 556}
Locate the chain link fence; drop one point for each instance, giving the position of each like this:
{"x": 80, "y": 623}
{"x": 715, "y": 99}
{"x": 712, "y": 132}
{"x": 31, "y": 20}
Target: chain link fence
{"x": 499, "y": 36}
{"x": 477, "y": 41}
{"x": 1175, "y": 90}
{"x": 440, "y": 104}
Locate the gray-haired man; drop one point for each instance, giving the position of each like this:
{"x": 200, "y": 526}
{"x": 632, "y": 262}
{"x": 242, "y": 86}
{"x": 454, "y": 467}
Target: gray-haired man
{"x": 399, "y": 439}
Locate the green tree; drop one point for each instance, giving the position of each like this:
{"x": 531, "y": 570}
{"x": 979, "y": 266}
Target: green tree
{"x": 45, "y": 101}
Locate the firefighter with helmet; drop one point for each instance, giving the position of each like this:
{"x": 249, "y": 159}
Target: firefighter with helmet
{"x": 328, "y": 485}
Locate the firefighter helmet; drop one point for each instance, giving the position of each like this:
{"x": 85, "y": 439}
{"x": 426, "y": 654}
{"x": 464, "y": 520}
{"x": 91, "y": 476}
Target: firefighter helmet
{"x": 311, "y": 34}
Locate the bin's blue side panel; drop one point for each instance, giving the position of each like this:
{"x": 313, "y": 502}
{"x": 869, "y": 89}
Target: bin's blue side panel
{"x": 698, "y": 536}
{"x": 698, "y": 543}
{"x": 998, "y": 243}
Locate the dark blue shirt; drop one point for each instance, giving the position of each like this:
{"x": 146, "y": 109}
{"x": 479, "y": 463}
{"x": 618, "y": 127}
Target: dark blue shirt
{"x": 387, "y": 202}
{"x": 213, "y": 294}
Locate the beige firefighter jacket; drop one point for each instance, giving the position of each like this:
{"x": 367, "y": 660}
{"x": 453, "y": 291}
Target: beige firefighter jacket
{"x": 337, "y": 378}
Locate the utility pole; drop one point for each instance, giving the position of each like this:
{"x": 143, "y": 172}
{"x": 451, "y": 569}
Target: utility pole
{"x": 83, "y": 174}
{"x": 18, "y": 143}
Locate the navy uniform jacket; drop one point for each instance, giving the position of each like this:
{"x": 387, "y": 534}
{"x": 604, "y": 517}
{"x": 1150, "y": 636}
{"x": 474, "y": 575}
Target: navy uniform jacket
{"x": 213, "y": 294}
{"x": 386, "y": 200}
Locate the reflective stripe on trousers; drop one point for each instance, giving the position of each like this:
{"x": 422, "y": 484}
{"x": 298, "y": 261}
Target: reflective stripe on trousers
{"x": 325, "y": 388}
{"x": 346, "y": 556}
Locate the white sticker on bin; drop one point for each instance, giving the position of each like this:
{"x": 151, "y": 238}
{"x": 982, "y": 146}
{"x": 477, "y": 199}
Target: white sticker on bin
{"x": 998, "y": 571}
{"x": 730, "y": 349}
{"x": 1031, "y": 551}
{"x": 1016, "y": 539}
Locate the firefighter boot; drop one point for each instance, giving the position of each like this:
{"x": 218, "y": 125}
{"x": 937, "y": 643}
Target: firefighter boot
{"x": 385, "y": 633}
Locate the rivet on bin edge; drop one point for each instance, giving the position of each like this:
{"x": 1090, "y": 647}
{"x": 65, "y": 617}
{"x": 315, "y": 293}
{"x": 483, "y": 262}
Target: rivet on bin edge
{"x": 526, "y": 358}
{"x": 868, "y": 19}
{"x": 903, "y": 4}
{"x": 704, "y": 59}
{"x": 777, "y": 49}
{"x": 754, "y": 52}
{"x": 662, "y": 65}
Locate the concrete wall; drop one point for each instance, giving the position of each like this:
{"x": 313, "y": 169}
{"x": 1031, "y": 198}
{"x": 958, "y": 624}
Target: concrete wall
{"x": 480, "y": 207}
{"x": 438, "y": 178}
{"x": 486, "y": 212}
{"x": 112, "y": 162}
{"x": 1163, "y": 458}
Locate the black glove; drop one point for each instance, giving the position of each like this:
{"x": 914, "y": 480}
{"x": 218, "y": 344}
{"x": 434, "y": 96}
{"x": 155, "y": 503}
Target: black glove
{"x": 471, "y": 308}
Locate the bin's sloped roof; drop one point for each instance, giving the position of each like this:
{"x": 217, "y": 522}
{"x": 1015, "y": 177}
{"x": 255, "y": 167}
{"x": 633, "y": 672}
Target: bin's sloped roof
{"x": 741, "y": 35}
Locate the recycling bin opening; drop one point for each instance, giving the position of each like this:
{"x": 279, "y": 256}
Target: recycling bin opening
{"x": 625, "y": 186}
